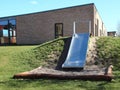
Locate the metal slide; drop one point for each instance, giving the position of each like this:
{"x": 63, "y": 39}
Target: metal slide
{"x": 77, "y": 52}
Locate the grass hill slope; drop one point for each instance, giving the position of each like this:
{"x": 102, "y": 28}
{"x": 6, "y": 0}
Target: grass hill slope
{"x": 108, "y": 51}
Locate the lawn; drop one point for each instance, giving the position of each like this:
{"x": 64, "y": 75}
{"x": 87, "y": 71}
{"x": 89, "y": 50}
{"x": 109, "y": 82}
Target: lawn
{"x": 16, "y": 59}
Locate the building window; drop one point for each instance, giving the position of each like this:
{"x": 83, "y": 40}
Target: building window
{"x": 8, "y": 31}
{"x": 58, "y": 30}
{"x": 98, "y": 32}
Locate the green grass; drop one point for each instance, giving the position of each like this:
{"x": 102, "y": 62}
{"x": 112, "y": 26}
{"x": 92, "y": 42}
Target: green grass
{"x": 16, "y": 59}
{"x": 109, "y": 51}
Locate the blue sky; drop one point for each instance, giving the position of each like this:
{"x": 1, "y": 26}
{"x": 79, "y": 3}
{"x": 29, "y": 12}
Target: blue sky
{"x": 108, "y": 9}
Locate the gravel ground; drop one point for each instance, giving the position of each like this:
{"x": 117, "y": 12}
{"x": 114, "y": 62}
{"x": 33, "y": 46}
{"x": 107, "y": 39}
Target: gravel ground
{"x": 91, "y": 71}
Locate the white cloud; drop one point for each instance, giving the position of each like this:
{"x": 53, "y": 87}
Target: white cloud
{"x": 34, "y": 2}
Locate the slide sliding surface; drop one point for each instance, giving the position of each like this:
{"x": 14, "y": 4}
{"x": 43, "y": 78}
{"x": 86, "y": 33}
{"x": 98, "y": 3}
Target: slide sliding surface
{"x": 76, "y": 56}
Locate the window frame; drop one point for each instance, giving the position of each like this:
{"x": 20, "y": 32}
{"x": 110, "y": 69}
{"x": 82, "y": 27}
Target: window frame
{"x": 57, "y": 35}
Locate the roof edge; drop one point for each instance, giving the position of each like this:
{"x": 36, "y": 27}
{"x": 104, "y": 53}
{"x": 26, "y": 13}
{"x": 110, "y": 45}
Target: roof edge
{"x": 13, "y": 16}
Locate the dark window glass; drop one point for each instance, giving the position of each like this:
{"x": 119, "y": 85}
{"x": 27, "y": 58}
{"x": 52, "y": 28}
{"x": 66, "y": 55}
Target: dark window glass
{"x": 58, "y": 30}
{"x": 8, "y": 31}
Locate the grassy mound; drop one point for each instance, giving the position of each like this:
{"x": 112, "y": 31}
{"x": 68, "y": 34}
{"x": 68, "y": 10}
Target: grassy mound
{"x": 108, "y": 49}
{"x": 46, "y": 55}
{"x": 16, "y": 59}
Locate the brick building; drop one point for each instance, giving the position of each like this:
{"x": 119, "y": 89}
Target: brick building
{"x": 36, "y": 28}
